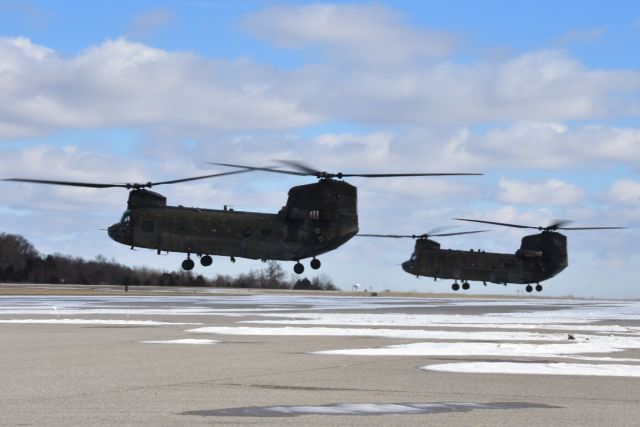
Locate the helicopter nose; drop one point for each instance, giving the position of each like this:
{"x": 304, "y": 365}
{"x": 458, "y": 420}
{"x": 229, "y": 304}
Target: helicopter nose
{"x": 407, "y": 266}
{"x": 115, "y": 232}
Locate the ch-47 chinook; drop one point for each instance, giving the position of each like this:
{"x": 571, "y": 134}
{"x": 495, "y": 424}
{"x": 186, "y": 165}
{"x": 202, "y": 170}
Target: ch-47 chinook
{"x": 541, "y": 256}
{"x": 317, "y": 218}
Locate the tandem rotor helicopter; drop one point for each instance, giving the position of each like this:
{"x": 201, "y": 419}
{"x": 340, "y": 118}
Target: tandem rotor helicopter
{"x": 317, "y": 218}
{"x": 541, "y": 256}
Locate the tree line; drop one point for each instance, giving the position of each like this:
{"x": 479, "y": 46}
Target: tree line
{"x": 20, "y": 262}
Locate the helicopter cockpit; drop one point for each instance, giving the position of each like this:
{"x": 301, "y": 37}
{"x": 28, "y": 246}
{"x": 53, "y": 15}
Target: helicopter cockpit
{"x": 121, "y": 231}
{"x": 125, "y": 221}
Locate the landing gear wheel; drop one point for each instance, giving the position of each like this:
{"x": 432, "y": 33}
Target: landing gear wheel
{"x": 315, "y": 264}
{"x": 206, "y": 261}
{"x": 528, "y": 288}
{"x": 455, "y": 287}
{"x": 465, "y": 285}
{"x": 188, "y": 264}
{"x": 539, "y": 288}
{"x": 298, "y": 268}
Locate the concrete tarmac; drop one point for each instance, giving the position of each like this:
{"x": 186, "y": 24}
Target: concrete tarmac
{"x": 105, "y": 374}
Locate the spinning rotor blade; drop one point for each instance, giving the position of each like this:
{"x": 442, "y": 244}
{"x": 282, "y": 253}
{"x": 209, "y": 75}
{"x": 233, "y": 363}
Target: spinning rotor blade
{"x": 195, "y": 178}
{"x": 457, "y": 233}
{"x": 266, "y": 169}
{"x": 392, "y": 175}
{"x": 304, "y": 170}
{"x": 558, "y": 225}
{"x": 394, "y": 236}
{"x": 497, "y": 223}
{"x": 68, "y": 183}
{"x": 300, "y": 166}
{"x": 592, "y": 228}
{"x": 134, "y": 186}
{"x": 421, "y": 236}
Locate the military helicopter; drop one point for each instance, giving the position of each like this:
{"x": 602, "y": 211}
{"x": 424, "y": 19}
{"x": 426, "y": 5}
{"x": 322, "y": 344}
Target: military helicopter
{"x": 317, "y": 218}
{"x": 541, "y": 256}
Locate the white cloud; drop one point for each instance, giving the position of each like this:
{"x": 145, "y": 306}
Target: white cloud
{"x": 551, "y": 191}
{"x": 124, "y": 84}
{"x": 355, "y": 32}
{"x": 120, "y": 83}
{"x": 549, "y": 145}
{"x": 625, "y": 191}
{"x": 538, "y": 86}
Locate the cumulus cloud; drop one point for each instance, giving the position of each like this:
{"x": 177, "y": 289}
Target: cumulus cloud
{"x": 120, "y": 83}
{"x": 546, "y": 145}
{"x": 625, "y": 191}
{"x": 355, "y": 32}
{"x": 549, "y": 192}
{"x": 537, "y": 86}
{"x": 519, "y": 145}
{"x": 125, "y": 84}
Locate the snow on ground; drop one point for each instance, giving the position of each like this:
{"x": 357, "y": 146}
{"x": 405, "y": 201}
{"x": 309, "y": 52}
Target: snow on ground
{"x": 92, "y": 322}
{"x": 497, "y": 328}
{"x": 594, "y": 345}
{"x": 383, "y": 333}
{"x": 489, "y": 321}
{"x": 611, "y": 370}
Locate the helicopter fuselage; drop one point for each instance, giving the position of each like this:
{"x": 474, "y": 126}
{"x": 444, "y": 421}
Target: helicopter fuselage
{"x": 540, "y": 257}
{"x": 317, "y": 218}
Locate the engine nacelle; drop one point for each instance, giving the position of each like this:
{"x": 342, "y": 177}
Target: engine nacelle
{"x": 146, "y": 199}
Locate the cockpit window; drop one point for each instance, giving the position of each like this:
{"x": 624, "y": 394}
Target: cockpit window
{"x": 126, "y": 218}
{"x": 414, "y": 256}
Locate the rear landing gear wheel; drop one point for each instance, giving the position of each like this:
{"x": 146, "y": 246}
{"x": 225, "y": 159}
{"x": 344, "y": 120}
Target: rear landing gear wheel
{"x": 539, "y": 288}
{"x": 315, "y": 264}
{"x": 188, "y": 264}
{"x": 465, "y": 285}
{"x": 455, "y": 287}
{"x": 528, "y": 288}
{"x": 206, "y": 261}
{"x": 298, "y": 268}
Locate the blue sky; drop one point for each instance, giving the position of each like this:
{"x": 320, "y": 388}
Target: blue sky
{"x": 543, "y": 97}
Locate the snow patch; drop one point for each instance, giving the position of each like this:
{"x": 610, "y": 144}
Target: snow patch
{"x": 609, "y": 370}
{"x": 91, "y": 322}
{"x": 384, "y": 333}
{"x": 594, "y": 344}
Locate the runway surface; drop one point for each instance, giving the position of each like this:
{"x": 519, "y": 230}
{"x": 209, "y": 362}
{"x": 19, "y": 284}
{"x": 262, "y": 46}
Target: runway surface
{"x": 277, "y": 359}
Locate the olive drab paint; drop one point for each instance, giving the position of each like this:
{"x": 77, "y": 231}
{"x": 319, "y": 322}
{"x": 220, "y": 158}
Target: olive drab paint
{"x": 541, "y": 256}
{"x": 317, "y": 218}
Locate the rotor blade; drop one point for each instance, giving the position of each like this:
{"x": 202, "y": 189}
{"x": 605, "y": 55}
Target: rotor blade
{"x": 435, "y": 230}
{"x": 557, "y": 224}
{"x": 458, "y": 233}
{"x": 68, "y": 183}
{"x": 300, "y": 166}
{"x": 592, "y": 228}
{"x": 394, "y": 236}
{"x": 499, "y": 223}
{"x": 421, "y": 236}
{"x": 175, "y": 181}
{"x": 392, "y": 175}
{"x": 254, "y": 168}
